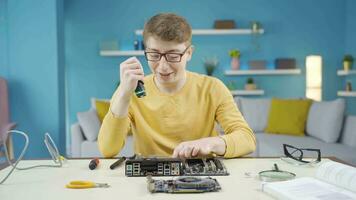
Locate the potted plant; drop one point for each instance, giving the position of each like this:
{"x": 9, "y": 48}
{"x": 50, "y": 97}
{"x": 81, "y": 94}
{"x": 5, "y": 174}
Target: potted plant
{"x": 348, "y": 61}
{"x": 250, "y": 84}
{"x": 210, "y": 64}
{"x": 235, "y": 59}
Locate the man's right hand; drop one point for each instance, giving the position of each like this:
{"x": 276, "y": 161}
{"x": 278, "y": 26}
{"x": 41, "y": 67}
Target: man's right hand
{"x": 131, "y": 72}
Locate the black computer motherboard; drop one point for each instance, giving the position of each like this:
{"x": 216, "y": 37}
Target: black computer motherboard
{"x": 136, "y": 167}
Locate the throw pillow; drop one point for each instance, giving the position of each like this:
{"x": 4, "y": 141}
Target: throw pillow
{"x": 90, "y": 124}
{"x": 325, "y": 120}
{"x": 288, "y": 116}
{"x": 102, "y": 108}
{"x": 255, "y": 112}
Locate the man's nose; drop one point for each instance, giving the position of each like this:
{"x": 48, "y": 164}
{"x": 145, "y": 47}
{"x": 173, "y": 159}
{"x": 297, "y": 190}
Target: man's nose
{"x": 163, "y": 64}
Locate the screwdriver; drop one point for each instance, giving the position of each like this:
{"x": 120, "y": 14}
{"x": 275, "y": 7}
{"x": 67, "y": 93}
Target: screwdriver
{"x": 93, "y": 163}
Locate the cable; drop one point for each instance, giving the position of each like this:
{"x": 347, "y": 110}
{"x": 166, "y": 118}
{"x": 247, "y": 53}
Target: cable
{"x": 51, "y": 147}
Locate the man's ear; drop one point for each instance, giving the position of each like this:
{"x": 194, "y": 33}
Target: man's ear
{"x": 190, "y": 52}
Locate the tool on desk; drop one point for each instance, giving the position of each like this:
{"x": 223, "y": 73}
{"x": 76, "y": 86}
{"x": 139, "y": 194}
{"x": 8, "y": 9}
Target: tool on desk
{"x": 118, "y": 162}
{"x": 275, "y": 175}
{"x": 85, "y": 185}
{"x": 93, "y": 163}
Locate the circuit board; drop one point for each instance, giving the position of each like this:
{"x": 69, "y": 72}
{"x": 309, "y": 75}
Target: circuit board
{"x": 138, "y": 167}
{"x": 183, "y": 185}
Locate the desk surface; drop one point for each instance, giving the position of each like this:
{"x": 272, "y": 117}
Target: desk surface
{"x": 49, "y": 183}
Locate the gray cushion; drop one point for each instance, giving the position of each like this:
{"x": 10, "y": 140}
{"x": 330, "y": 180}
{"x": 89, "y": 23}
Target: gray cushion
{"x": 349, "y": 131}
{"x": 325, "y": 120}
{"x": 255, "y": 112}
{"x": 90, "y": 124}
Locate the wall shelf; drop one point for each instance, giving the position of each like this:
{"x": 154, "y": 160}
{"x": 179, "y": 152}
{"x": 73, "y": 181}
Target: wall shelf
{"x": 346, "y": 94}
{"x": 217, "y": 31}
{"x": 247, "y": 92}
{"x": 345, "y": 73}
{"x": 121, "y": 53}
{"x": 263, "y": 72}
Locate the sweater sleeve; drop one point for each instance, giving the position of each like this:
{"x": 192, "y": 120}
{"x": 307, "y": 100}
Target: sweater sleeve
{"x": 239, "y": 138}
{"x": 112, "y": 134}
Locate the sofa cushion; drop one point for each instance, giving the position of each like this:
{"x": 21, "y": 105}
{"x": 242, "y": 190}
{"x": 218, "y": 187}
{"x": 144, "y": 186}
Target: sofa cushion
{"x": 272, "y": 145}
{"x": 349, "y": 131}
{"x": 288, "y": 116}
{"x": 90, "y": 124}
{"x": 102, "y": 108}
{"x": 325, "y": 120}
{"x": 255, "y": 112}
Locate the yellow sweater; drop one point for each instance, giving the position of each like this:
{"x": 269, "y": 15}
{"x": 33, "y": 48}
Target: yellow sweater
{"x": 159, "y": 121}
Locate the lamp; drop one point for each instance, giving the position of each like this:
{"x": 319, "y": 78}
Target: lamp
{"x": 314, "y": 77}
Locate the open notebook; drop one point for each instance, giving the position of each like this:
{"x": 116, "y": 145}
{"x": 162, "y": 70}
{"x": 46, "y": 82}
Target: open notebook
{"x": 332, "y": 181}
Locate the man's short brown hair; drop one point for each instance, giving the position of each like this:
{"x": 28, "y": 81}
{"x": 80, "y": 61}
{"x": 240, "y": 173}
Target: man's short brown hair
{"x": 168, "y": 27}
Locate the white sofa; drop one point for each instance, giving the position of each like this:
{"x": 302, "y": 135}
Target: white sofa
{"x": 327, "y": 129}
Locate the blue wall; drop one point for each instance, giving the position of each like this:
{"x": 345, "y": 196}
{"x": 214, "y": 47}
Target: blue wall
{"x": 45, "y": 82}
{"x": 351, "y": 49}
{"x": 3, "y": 39}
{"x": 35, "y": 72}
{"x": 293, "y": 29}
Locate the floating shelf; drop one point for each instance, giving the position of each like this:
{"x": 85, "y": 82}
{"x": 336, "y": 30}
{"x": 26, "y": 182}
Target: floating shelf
{"x": 264, "y": 72}
{"x": 247, "y": 92}
{"x": 345, "y": 73}
{"x": 217, "y": 31}
{"x": 346, "y": 93}
{"x": 121, "y": 53}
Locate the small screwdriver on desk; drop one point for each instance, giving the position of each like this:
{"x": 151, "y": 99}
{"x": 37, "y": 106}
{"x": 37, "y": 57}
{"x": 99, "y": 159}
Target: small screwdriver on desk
{"x": 118, "y": 162}
{"x": 93, "y": 163}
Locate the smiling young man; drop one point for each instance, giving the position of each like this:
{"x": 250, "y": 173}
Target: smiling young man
{"x": 178, "y": 115}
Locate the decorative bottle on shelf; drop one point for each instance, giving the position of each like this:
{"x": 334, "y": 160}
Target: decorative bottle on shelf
{"x": 136, "y": 45}
{"x": 348, "y": 86}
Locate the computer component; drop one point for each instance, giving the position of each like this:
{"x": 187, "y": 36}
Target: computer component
{"x": 183, "y": 185}
{"x": 174, "y": 167}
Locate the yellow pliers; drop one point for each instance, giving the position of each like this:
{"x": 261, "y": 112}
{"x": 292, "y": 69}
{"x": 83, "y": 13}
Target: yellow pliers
{"x": 85, "y": 184}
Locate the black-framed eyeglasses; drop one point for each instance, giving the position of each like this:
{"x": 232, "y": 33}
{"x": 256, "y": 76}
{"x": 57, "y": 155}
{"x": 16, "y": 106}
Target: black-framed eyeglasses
{"x": 170, "y": 57}
{"x": 302, "y": 155}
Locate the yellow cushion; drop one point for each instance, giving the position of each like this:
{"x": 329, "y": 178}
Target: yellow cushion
{"x": 288, "y": 116}
{"x": 102, "y": 107}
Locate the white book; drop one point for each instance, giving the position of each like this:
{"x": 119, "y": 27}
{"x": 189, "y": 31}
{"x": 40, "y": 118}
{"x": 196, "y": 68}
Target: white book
{"x": 332, "y": 181}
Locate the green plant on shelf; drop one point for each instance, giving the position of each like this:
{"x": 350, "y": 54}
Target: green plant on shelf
{"x": 210, "y": 65}
{"x": 347, "y": 62}
{"x": 250, "y": 81}
{"x": 235, "y": 53}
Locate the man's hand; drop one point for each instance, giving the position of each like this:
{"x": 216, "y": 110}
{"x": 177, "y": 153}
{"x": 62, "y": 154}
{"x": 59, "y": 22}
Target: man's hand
{"x": 201, "y": 147}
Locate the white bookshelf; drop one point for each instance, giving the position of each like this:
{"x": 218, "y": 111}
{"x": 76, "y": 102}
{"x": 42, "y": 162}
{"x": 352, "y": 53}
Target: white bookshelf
{"x": 121, "y": 53}
{"x": 345, "y": 73}
{"x": 346, "y": 94}
{"x": 264, "y": 72}
{"x": 217, "y": 31}
{"x": 247, "y": 92}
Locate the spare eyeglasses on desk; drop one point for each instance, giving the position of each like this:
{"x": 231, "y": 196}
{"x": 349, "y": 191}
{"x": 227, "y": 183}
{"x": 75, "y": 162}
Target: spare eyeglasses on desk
{"x": 301, "y": 156}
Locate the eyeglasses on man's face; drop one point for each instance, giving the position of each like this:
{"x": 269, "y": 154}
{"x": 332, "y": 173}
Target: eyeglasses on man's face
{"x": 170, "y": 57}
{"x": 302, "y": 155}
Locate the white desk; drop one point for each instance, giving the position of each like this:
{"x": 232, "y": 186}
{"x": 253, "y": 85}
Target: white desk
{"x": 49, "y": 183}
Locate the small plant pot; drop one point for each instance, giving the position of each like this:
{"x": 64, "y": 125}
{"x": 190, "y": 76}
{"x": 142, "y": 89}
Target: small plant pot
{"x": 235, "y": 63}
{"x": 347, "y": 65}
{"x": 250, "y": 86}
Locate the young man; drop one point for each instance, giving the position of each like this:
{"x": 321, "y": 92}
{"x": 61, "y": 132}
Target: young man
{"x": 178, "y": 115}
